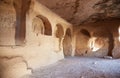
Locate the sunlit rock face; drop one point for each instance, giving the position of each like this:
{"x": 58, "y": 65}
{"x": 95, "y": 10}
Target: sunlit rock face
{"x": 83, "y": 11}
{"x": 119, "y": 33}
{"x": 94, "y": 44}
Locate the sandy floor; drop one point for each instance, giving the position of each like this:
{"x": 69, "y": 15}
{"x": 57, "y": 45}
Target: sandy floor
{"x": 80, "y": 67}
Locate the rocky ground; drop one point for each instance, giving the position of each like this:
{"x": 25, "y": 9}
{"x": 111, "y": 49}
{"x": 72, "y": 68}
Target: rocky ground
{"x": 80, "y": 67}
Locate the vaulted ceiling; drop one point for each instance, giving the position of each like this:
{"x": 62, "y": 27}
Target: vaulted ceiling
{"x": 83, "y": 11}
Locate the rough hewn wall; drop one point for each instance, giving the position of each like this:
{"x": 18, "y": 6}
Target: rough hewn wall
{"x": 106, "y": 33}
{"x": 7, "y": 24}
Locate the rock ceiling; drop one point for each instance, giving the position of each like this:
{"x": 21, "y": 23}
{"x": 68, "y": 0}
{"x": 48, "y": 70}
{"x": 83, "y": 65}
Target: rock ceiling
{"x": 81, "y": 11}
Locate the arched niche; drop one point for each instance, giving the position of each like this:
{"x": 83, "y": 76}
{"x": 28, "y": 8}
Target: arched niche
{"x": 38, "y": 26}
{"x": 82, "y": 37}
{"x": 59, "y": 31}
{"x": 67, "y": 46}
{"x": 47, "y": 29}
{"x": 59, "y": 34}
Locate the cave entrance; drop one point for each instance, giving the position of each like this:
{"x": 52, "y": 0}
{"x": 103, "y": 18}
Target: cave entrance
{"x": 67, "y": 46}
{"x": 82, "y": 38}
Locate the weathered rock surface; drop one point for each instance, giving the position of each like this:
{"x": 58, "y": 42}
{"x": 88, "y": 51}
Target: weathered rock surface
{"x": 107, "y": 34}
{"x": 82, "y": 11}
{"x": 7, "y": 24}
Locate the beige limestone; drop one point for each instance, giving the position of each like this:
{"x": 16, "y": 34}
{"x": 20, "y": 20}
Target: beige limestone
{"x": 39, "y": 49}
{"x": 7, "y": 25}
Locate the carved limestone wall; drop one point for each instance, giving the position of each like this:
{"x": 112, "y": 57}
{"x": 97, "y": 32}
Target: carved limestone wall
{"x": 41, "y": 45}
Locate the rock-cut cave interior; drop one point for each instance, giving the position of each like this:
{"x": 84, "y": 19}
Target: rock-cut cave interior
{"x": 59, "y": 38}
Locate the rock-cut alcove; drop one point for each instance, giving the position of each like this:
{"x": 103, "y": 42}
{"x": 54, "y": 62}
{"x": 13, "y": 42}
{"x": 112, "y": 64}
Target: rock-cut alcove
{"x": 98, "y": 38}
{"x": 47, "y": 29}
{"x": 82, "y": 36}
{"x": 60, "y": 35}
{"x": 38, "y": 26}
{"x": 41, "y": 25}
{"x": 67, "y": 43}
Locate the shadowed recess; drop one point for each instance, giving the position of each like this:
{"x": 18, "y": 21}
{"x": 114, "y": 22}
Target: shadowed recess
{"x": 47, "y": 25}
{"x": 21, "y": 8}
{"x": 67, "y": 47}
{"x": 85, "y": 32}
